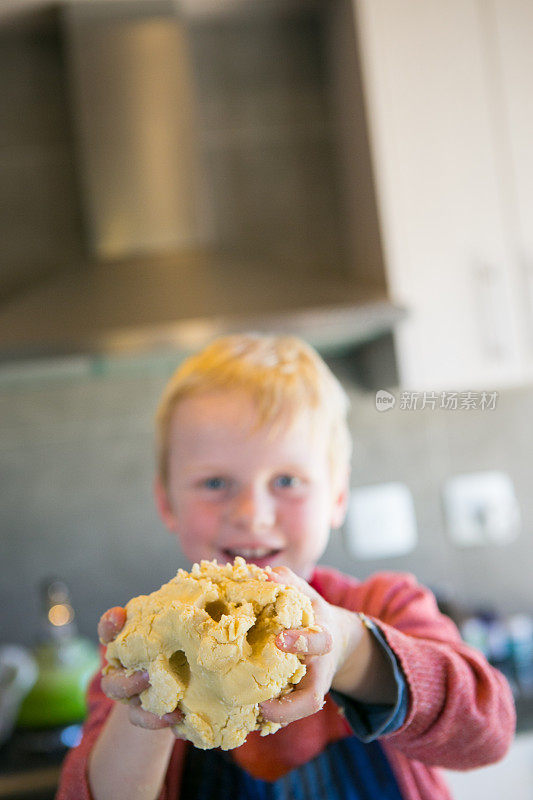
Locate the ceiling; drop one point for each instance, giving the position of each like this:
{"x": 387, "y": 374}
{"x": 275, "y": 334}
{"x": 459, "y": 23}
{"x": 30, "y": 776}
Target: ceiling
{"x": 17, "y": 12}
{"x": 21, "y": 11}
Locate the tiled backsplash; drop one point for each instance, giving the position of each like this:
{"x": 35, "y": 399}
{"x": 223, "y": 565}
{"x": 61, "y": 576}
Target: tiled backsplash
{"x": 76, "y": 460}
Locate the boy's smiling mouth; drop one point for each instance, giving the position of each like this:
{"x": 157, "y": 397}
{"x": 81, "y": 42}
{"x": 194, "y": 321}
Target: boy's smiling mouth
{"x": 261, "y": 556}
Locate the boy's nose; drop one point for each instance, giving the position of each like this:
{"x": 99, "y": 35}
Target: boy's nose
{"x": 253, "y": 508}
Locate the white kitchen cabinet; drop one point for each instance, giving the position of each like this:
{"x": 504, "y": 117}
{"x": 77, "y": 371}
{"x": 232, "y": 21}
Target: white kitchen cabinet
{"x": 433, "y": 114}
{"x": 510, "y": 778}
{"x": 510, "y": 35}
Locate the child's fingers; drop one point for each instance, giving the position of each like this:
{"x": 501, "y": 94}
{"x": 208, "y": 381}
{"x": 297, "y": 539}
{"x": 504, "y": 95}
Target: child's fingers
{"x": 117, "y": 685}
{"x": 111, "y": 623}
{"x": 144, "y": 719}
{"x": 283, "y": 575}
{"x": 290, "y": 578}
{"x": 134, "y": 700}
{"x": 315, "y": 639}
{"x": 174, "y": 717}
{"x": 305, "y": 641}
{"x": 306, "y": 699}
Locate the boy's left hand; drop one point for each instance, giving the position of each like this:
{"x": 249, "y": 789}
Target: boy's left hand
{"x": 322, "y": 652}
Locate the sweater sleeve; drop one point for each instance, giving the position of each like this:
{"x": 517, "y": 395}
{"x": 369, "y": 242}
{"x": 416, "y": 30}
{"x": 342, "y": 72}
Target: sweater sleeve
{"x": 74, "y": 779}
{"x": 372, "y": 720}
{"x": 461, "y": 711}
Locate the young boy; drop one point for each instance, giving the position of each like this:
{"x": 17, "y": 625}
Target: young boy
{"x": 253, "y": 460}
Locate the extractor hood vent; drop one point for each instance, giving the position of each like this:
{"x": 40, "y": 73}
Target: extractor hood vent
{"x": 159, "y": 271}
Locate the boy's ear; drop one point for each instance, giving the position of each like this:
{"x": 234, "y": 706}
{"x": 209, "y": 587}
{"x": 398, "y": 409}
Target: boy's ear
{"x": 340, "y": 501}
{"x": 163, "y": 506}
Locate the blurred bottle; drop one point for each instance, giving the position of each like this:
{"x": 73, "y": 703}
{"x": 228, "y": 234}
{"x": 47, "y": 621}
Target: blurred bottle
{"x": 474, "y": 632}
{"x": 500, "y": 651}
{"x": 520, "y": 628}
{"x": 489, "y": 633}
{"x": 66, "y": 662}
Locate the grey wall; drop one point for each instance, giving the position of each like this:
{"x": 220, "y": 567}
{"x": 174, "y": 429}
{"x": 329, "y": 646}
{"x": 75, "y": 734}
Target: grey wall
{"x": 423, "y": 449}
{"x": 76, "y": 467}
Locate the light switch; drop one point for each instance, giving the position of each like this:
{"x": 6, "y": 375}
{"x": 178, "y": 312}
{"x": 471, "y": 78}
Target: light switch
{"x": 380, "y": 521}
{"x": 481, "y": 508}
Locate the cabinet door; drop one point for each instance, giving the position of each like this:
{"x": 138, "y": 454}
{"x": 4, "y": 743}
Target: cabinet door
{"x": 510, "y": 31}
{"x": 429, "y": 111}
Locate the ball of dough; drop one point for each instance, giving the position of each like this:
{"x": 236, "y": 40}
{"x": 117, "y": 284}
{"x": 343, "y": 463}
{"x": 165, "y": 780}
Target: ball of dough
{"x": 206, "y": 639}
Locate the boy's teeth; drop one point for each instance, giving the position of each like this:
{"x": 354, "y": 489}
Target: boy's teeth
{"x": 249, "y": 552}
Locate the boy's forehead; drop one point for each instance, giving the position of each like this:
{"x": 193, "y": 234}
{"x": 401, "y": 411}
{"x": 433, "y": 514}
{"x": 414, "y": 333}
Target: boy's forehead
{"x": 213, "y": 411}
{"x": 232, "y": 414}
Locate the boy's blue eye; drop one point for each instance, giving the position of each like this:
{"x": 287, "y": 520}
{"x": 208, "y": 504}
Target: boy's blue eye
{"x": 214, "y": 483}
{"x": 286, "y": 481}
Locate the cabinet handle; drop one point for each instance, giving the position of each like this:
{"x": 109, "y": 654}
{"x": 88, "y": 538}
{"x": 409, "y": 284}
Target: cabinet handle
{"x": 526, "y": 270}
{"x": 489, "y": 302}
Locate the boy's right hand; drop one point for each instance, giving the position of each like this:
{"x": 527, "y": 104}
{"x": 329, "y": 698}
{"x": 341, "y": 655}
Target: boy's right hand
{"x": 117, "y": 685}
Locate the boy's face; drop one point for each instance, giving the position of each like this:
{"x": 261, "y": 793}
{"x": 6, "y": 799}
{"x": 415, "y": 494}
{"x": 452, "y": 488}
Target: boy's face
{"x": 261, "y": 494}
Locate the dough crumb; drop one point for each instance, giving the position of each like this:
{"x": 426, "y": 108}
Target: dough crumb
{"x": 207, "y": 640}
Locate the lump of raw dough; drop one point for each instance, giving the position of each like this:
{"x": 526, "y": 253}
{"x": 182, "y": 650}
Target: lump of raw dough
{"x": 206, "y": 639}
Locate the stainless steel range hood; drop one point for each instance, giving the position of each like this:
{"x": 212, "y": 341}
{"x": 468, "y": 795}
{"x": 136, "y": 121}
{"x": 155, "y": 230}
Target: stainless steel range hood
{"x": 155, "y": 277}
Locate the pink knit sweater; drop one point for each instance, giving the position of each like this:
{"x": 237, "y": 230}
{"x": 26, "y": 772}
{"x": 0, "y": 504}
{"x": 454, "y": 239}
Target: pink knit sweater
{"x": 461, "y": 712}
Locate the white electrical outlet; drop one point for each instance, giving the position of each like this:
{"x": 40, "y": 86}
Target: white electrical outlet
{"x": 380, "y": 521}
{"x": 481, "y": 508}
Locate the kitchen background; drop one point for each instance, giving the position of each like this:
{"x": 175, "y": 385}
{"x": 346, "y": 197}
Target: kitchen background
{"x": 77, "y": 469}
{"x": 439, "y": 220}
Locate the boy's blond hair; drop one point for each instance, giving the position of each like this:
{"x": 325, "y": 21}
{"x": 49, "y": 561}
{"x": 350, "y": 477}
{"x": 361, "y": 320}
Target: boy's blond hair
{"x": 282, "y": 374}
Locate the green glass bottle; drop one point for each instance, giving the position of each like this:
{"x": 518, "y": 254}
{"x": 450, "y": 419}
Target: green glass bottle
{"x": 66, "y": 663}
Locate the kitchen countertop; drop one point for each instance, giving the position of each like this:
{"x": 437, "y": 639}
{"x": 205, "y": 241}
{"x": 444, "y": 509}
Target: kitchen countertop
{"x": 30, "y": 764}
{"x": 524, "y": 715}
